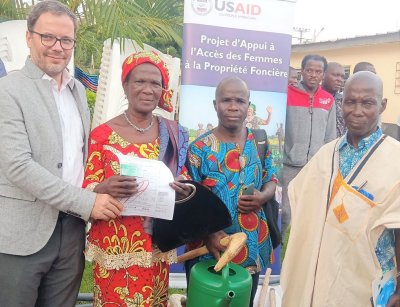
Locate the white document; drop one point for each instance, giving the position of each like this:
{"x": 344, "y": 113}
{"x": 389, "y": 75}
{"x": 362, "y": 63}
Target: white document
{"x": 155, "y": 198}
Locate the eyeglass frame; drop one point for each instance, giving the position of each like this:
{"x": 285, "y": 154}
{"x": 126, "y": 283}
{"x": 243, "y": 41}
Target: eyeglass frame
{"x": 56, "y": 40}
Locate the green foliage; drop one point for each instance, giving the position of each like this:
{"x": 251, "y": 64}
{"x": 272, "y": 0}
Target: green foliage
{"x": 91, "y": 100}
{"x": 193, "y": 133}
{"x": 176, "y": 291}
{"x": 87, "y": 279}
{"x": 144, "y": 21}
{"x": 285, "y": 242}
{"x": 167, "y": 45}
{"x": 12, "y": 9}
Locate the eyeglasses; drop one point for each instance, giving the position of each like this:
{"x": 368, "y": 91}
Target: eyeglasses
{"x": 49, "y": 40}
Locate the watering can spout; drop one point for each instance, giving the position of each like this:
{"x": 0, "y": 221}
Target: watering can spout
{"x": 229, "y": 296}
{"x": 229, "y": 288}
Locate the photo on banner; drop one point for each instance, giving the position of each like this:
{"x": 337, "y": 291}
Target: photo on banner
{"x": 250, "y": 39}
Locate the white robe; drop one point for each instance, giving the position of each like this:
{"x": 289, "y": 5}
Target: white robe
{"x": 330, "y": 258}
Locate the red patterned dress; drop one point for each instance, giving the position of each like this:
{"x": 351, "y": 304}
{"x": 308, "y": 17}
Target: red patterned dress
{"x": 128, "y": 269}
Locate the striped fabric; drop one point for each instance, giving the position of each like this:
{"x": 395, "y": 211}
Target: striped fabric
{"x": 88, "y": 80}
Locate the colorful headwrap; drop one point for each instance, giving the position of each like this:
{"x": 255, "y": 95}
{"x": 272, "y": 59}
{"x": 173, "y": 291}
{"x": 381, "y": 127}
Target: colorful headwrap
{"x": 135, "y": 59}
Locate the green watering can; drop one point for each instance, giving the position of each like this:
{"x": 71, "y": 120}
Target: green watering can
{"x": 231, "y": 287}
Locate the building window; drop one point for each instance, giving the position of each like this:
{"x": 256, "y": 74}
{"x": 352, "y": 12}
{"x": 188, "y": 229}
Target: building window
{"x": 346, "y": 72}
{"x": 397, "y": 79}
{"x": 298, "y": 75}
{"x": 346, "y": 76}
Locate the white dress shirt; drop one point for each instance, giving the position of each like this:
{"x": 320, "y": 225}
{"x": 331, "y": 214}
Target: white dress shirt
{"x": 71, "y": 128}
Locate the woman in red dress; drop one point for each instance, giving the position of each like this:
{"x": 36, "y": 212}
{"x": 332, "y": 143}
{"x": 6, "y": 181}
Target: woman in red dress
{"x": 128, "y": 269}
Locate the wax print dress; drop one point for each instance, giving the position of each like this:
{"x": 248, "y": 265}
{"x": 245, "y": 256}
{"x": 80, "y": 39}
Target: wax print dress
{"x": 128, "y": 269}
{"x": 225, "y": 169}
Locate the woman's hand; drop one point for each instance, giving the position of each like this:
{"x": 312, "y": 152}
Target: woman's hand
{"x": 118, "y": 186}
{"x": 182, "y": 190}
{"x": 251, "y": 203}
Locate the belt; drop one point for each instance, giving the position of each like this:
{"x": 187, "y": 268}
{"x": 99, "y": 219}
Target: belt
{"x": 61, "y": 215}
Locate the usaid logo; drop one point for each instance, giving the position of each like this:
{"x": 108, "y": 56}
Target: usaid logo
{"x": 202, "y": 7}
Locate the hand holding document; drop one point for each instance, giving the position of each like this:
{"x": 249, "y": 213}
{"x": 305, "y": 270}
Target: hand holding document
{"x": 155, "y": 197}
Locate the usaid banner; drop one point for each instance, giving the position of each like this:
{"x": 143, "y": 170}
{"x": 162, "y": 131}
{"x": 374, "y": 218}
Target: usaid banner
{"x": 250, "y": 39}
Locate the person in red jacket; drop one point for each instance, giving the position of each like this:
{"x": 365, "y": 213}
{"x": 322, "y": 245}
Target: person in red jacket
{"x": 332, "y": 83}
{"x": 310, "y": 123}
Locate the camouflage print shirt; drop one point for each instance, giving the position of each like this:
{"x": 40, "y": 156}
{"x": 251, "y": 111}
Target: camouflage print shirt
{"x": 340, "y": 125}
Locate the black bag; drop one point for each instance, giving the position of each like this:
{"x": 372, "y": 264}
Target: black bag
{"x": 197, "y": 216}
{"x": 271, "y": 210}
{"x": 271, "y": 207}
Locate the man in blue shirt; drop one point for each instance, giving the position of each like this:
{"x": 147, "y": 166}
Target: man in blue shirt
{"x": 226, "y": 160}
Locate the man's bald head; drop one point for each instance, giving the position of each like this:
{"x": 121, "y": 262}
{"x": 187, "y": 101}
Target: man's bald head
{"x": 362, "y": 105}
{"x": 368, "y": 79}
{"x": 231, "y": 104}
{"x": 230, "y": 80}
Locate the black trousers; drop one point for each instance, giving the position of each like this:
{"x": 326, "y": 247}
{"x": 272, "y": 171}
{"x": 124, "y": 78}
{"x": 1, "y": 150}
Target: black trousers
{"x": 52, "y": 276}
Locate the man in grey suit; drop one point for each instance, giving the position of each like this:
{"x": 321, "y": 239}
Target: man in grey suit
{"x": 44, "y": 122}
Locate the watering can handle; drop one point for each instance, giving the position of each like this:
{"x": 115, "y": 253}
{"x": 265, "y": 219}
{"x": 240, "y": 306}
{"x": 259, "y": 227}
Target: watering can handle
{"x": 225, "y": 272}
{"x": 236, "y": 243}
{"x": 233, "y": 242}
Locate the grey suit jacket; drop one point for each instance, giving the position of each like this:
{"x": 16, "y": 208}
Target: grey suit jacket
{"x": 31, "y": 189}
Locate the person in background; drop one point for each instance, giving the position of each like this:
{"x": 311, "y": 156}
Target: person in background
{"x": 392, "y": 129}
{"x": 44, "y": 123}
{"x": 3, "y": 71}
{"x": 332, "y": 83}
{"x": 364, "y": 66}
{"x": 310, "y": 123}
{"x": 344, "y": 245}
{"x": 225, "y": 160}
{"x": 293, "y": 77}
{"x": 200, "y": 129}
{"x": 129, "y": 270}
{"x": 280, "y": 134}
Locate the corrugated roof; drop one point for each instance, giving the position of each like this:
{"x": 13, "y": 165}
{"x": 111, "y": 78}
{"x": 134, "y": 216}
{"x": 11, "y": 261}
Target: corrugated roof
{"x": 387, "y": 38}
